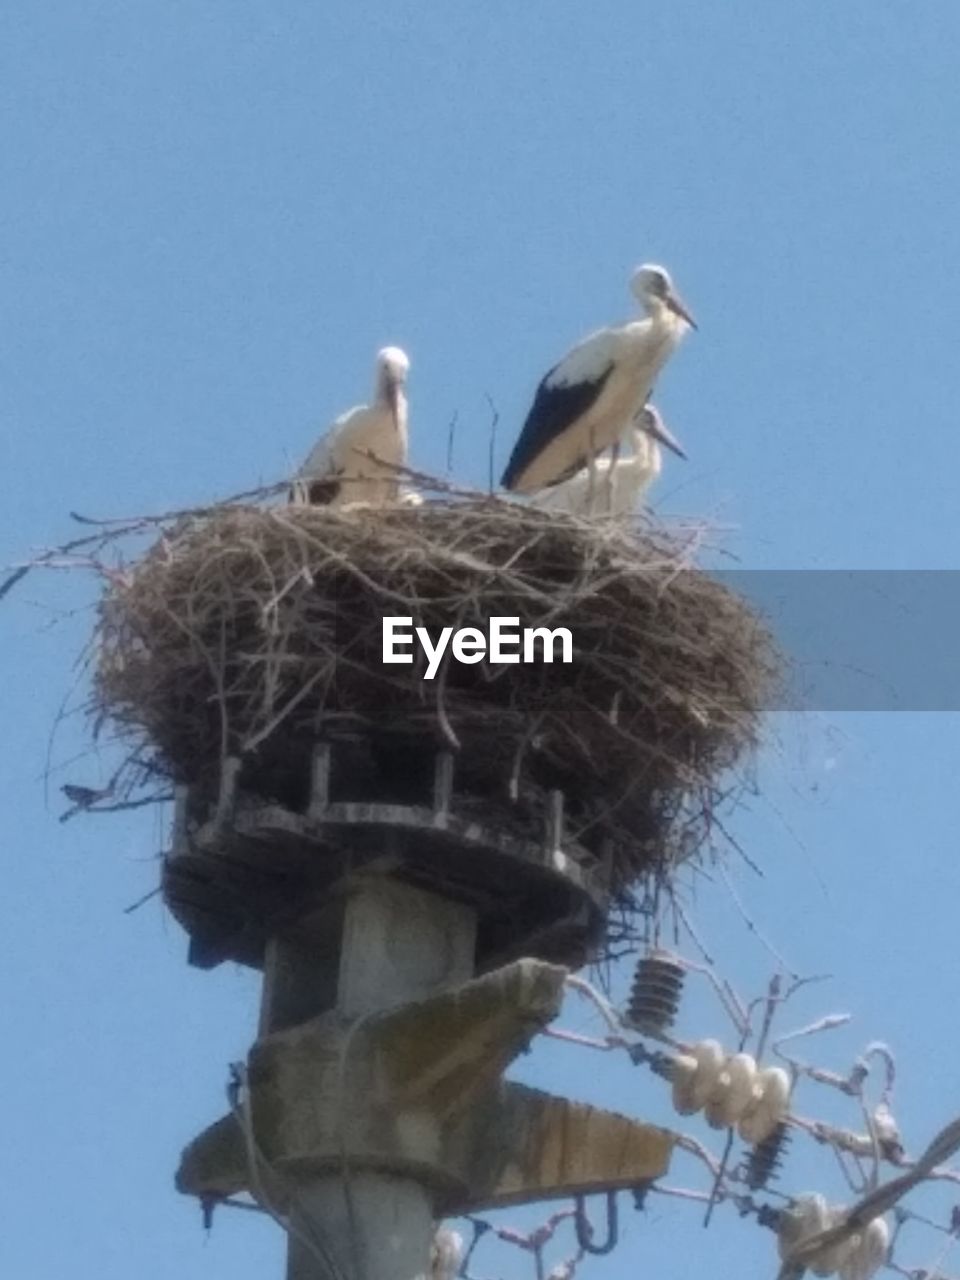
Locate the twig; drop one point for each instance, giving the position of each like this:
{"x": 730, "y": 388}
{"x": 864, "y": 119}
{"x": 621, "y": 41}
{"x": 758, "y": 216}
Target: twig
{"x": 716, "y": 1189}
{"x": 134, "y": 906}
{"x": 493, "y": 438}
{"x": 451, "y": 430}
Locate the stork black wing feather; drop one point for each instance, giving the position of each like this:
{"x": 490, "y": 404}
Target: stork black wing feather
{"x": 554, "y": 409}
{"x": 321, "y": 493}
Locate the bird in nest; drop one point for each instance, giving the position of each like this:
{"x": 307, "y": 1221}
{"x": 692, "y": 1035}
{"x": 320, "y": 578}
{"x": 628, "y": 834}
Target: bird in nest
{"x": 620, "y": 479}
{"x": 588, "y": 400}
{"x": 357, "y": 461}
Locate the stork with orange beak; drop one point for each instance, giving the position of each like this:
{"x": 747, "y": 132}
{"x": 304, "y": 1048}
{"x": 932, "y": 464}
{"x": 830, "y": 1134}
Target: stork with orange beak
{"x": 356, "y": 461}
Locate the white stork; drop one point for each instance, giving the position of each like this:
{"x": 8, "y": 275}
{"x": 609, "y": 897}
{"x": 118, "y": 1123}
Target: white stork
{"x": 355, "y": 461}
{"x": 585, "y": 403}
{"x": 621, "y": 479}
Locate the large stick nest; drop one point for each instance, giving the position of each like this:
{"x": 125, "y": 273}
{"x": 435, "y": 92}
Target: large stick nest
{"x": 250, "y": 631}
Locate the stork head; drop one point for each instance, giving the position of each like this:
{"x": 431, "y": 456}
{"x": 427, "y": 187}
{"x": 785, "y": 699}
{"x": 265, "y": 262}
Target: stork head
{"x": 649, "y": 425}
{"x": 653, "y": 288}
{"x": 393, "y": 365}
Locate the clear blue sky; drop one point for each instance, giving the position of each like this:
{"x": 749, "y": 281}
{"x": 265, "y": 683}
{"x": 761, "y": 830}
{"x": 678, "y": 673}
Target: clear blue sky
{"x": 213, "y": 212}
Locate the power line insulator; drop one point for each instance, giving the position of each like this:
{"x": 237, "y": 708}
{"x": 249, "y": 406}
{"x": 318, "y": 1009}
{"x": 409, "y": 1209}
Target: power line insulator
{"x": 766, "y": 1158}
{"x": 655, "y": 993}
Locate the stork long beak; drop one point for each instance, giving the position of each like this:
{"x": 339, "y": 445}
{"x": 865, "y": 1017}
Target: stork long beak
{"x": 393, "y": 400}
{"x": 680, "y": 308}
{"x": 666, "y": 437}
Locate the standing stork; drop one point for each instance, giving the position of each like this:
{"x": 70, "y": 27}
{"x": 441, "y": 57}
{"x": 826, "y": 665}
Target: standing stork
{"x": 585, "y": 403}
{"x": 622, "y": 479}
{"x": 356, "y": 460}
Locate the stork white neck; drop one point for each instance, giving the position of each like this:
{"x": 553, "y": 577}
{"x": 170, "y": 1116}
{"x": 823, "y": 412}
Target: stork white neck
{"x": 664, "y": 317}
{"x": 647, "y": 454}
{"x": 390, "y": 393}
{"x": 387, "y": 386}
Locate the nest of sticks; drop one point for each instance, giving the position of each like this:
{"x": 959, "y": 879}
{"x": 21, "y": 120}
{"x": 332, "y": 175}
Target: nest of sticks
{"x": 253, "y": 631}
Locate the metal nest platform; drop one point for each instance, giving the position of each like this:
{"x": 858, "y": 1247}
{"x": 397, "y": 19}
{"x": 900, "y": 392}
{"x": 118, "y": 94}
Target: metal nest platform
{"x": 241, "y": 870}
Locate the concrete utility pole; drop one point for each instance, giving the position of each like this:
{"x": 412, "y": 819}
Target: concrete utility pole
{"x": 376, "y": 1102}
{"x": 398, "y": 944}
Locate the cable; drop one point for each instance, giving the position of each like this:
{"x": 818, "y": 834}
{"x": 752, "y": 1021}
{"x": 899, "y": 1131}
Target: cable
{"x": 240, "y": 1103}
{"x": 359, "y": 1262}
